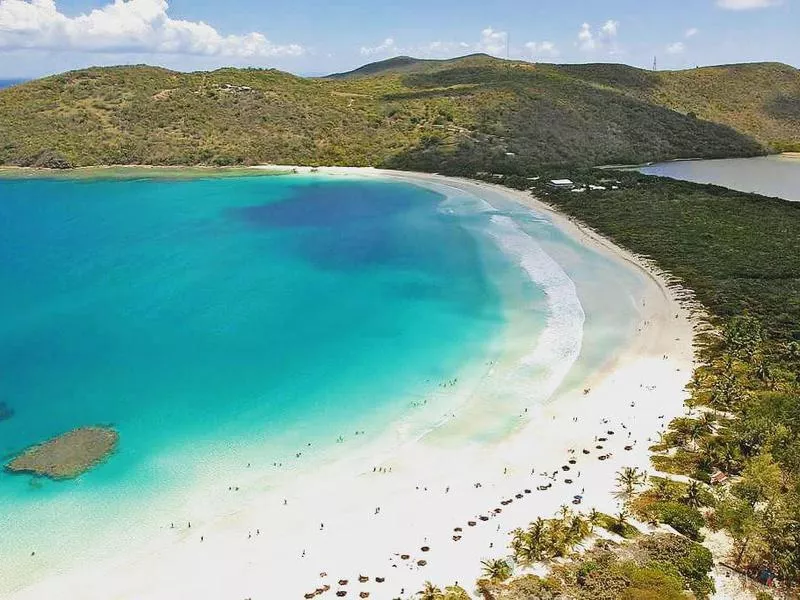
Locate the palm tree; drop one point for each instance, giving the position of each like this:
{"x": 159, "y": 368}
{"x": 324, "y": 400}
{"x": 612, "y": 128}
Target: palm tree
{"x": 708, "y": 422}
{"x": 430, "y": 592}
{"x": 628, "y": 479}
{"x": 621, "y": 521}
{"x": 692, "y": 497}
{"x": 594, "y": 518}
{"x": 496, "y": 569}
{"x": 555, "y": 541}
{"x": 564, "y": 511}
{"x": 696, "y": 431}
{"x": 661, "y": 488}
{"x": 577, "y": 530}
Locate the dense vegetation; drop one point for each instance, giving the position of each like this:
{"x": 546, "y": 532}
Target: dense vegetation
{"x": 463, "y": 115}
{"x": 735, "y": 95}
{"x": 738, "y": 252}
{"x": 662, "y": 566}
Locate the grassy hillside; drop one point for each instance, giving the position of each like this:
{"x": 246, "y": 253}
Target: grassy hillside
{"x": 461, "y": 115}
{"x": 761, "y": 100}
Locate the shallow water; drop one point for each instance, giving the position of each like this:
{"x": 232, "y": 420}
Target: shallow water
{"x": 222, "y": 322}
{"x": 774, "y": 176}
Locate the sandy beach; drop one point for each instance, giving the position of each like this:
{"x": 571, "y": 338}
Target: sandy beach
{"x": 368, "y": 511}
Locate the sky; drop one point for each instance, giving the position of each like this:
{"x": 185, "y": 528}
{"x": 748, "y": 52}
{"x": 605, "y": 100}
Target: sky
{"x": 315, "y": 37}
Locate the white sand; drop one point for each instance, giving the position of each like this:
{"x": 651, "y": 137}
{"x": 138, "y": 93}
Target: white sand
{"x": 235, "y": 562}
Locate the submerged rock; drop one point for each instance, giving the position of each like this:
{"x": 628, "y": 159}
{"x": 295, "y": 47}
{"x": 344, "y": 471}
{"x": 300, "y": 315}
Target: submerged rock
{"x": 67, "y": 455}
{"x": 6, "y": 412}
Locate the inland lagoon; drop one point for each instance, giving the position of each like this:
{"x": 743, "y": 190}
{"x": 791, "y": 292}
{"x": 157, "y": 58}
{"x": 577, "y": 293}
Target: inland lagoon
{"x": 267, "y": 345}
{"x": 773, "y": 176}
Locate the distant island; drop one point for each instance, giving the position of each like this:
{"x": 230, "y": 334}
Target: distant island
{"x": 459, "y": 116}
{"x": 68, "y": 455}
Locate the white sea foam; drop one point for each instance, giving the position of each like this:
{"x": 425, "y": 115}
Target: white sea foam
{"x": 537, "y": 374}
{"x": 559, "y": 345}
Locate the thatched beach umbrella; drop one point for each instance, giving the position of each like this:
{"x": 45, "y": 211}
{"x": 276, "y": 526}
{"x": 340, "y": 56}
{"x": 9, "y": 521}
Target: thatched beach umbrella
{"x": 425, "y": 548}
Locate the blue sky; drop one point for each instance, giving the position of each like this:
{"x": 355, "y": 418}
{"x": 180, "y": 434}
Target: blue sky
{"x": 39, "y": 37}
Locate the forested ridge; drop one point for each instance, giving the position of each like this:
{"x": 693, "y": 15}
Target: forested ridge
{"x": 462, "y": 115}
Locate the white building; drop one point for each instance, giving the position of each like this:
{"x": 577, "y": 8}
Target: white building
{"x": 564, "y": 184}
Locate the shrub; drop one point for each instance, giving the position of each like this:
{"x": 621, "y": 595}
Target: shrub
{"x": 682, "y": 518}
{"x": 652, "y": 582}
{"x": 691, "y": 560}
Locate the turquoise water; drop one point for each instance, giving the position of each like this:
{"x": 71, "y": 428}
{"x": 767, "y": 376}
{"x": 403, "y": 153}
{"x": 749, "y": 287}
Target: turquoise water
{"x": 227, "y": 318}
{"x": 221, "y": 322}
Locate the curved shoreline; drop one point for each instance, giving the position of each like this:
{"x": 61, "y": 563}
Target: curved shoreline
{"x": 270, "y": 564}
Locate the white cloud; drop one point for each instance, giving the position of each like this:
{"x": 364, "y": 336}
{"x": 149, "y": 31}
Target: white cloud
{"x": 692, "y": 32}
{"x": 492, "y": 42}
{"x": 438, "y": 49}
{"x": 588, "y": 41}
{"x": 746, "y": 4}
{"x": 124, "y": 26}
{"x": 676, "y": 48}
{"x": 539, "y": 49}
{"x": 610, "y": 28}
{"x": 387, "y": 47}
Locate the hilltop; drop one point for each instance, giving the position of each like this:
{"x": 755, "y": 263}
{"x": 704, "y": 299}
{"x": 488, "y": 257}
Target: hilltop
{"x": 460, "y": 115}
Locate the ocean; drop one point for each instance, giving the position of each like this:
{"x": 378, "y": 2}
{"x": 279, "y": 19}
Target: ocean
{"x": 4, "y": 83}
{"x": 219, "y": 323}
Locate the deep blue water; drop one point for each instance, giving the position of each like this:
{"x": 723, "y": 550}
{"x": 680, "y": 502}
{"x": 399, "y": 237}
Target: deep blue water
{"x": 218, "y": 321}
{"x": 4, "y": 83}
{"x": 169, "y": 309}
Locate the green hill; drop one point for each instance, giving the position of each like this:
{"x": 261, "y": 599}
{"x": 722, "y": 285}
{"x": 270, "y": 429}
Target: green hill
{"x": 460, "y": 115}
{"x": 759, "y": 99}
